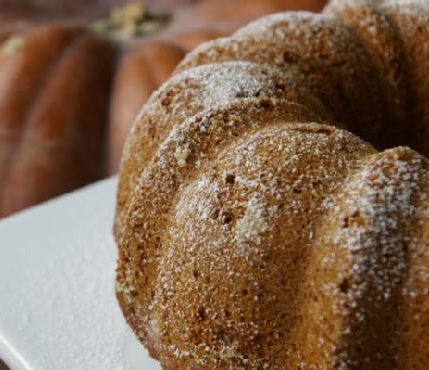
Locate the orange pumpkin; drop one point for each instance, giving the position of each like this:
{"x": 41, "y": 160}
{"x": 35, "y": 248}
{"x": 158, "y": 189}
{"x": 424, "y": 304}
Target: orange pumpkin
{"x": 54, "y": 90}
{"x": 68, "y": 95}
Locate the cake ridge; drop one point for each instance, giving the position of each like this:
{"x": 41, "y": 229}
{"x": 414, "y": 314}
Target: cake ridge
{"x": 374, "y": 203}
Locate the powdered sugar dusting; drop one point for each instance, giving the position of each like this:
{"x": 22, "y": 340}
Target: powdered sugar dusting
{"x": 252, "y": 224}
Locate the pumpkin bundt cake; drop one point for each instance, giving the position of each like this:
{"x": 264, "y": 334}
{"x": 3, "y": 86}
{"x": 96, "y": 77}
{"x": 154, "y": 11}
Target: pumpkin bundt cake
{"x": 273, "y": 201}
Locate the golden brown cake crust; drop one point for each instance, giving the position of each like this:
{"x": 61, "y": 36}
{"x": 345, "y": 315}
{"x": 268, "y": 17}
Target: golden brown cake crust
{"x": 254, "y": 232}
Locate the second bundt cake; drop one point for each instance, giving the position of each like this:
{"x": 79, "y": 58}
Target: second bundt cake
{"x": 256, "y": 230}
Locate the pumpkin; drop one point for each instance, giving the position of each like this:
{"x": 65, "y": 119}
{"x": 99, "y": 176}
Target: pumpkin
{"x": 69, "y": 93}
{"x": 54, "y": 90}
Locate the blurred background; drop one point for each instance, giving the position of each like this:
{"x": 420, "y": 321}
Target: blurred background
{"x": 74, "y": 74}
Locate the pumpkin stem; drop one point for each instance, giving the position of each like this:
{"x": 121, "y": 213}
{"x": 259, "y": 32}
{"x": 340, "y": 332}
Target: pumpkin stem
{"x": 130, "y": 21}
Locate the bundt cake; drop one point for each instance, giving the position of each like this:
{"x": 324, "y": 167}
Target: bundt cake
{"x": 273, "y": 200}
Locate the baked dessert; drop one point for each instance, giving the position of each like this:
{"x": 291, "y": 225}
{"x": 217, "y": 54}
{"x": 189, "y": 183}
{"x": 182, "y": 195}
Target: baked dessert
{"x": 266, "y": 216}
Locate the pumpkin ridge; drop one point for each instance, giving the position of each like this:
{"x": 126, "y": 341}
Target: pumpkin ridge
{"x": 46, "y": 71}
{"x": 38, "y": 106}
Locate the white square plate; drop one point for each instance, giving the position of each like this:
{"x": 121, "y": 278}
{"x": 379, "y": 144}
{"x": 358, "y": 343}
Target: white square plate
{"x": 57, "y": 304}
